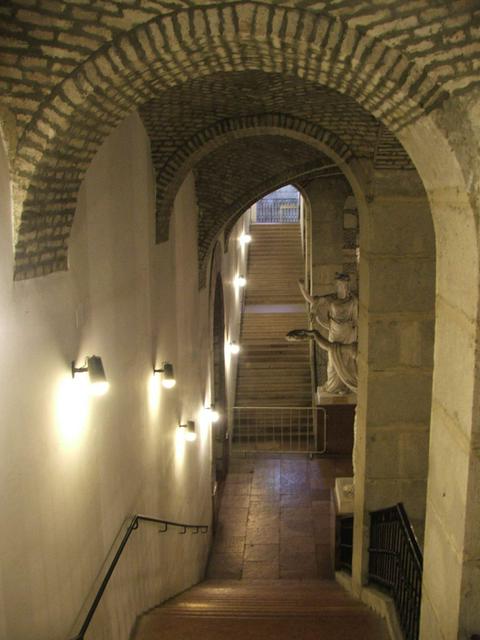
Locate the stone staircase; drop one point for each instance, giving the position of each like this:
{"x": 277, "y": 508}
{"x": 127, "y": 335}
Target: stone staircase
{"x": 275, "y": 262}
{"x": 262, "y": 609}
{"x": 271, "y": 371}
{"x": 271, "y": 566}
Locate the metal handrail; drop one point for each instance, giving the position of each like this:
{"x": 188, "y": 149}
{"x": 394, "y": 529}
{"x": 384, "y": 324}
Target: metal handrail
{"x": 134, "y": 522}
{"x": 396, "y": 564}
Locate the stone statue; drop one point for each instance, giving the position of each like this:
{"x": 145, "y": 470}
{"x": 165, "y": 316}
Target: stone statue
{"x": 338, "y": 314}
{"x": 343, "y": 357}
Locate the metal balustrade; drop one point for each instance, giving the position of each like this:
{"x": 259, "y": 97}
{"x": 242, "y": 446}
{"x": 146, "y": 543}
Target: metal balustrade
{"x": 279, "y": 429}
{"x": 277, "y": 211}
{"x": 395, "y": 564}
{"x": 345, "y": 543}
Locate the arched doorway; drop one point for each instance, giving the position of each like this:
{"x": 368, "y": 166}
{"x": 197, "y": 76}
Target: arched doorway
{"x": 220, "y": 444}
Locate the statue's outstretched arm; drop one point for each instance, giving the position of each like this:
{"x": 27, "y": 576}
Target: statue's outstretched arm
{"x": 305, "y": 334}
{"x": 312, "y": 300}
{"x": 308, "y": 298}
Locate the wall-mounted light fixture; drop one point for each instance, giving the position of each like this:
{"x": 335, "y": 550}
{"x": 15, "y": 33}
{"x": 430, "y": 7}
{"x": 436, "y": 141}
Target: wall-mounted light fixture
{"x": 211, "y": 414}
{"x": 168, "y": 380}
{"x": 245, "y": 238}
{"x": 240, "y": 281}
{"x": 188, "y": 431}
{"x": 234, "y": 347}
{"x": 96, "y": 373}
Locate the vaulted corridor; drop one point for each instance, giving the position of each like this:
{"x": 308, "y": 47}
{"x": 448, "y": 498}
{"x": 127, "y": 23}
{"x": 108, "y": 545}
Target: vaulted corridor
{"x": 137, "y": 139}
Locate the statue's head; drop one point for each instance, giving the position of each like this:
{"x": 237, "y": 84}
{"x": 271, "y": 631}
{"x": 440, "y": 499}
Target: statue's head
{"x": 342, "y": 284}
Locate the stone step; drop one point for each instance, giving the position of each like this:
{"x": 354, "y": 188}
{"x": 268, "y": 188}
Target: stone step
{"x": 266, "y": 609}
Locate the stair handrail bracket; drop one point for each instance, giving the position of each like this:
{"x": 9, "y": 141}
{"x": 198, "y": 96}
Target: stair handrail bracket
{"x": 133, "y": 526}
{"x": 395, "y": 564}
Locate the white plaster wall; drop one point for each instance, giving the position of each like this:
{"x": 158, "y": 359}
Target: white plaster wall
{"x": 74, "y": 468}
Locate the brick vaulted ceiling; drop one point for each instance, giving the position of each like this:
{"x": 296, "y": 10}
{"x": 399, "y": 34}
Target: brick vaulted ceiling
{"x": 200, "y": 72}
{"x": 187, "y": 117}
{"x": 235, "y": 175}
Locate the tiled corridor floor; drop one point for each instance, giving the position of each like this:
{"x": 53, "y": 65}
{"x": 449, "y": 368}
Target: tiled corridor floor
{"x": 276, "y": 519}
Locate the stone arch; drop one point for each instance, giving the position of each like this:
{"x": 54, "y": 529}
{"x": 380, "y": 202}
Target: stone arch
{"x": 184, "y": 159}
{"x": 57, "y": 147}
{"x": 237, "y": 209}
{"x": 218, "y": 384}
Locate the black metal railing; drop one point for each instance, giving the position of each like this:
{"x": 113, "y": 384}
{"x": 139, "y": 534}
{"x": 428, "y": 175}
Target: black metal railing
{"x": 345, "y": 543}
{"x": 395, "y": 564}
{"x": 133, "y": 525}
{"x": 278, "y": 210}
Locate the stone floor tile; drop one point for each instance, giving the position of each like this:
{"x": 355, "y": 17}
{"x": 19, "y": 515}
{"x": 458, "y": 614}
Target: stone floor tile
{"x": 232, "y": 544}
{"x": 298, "y": 565}
{"x": 295, "y": 500}
{"x": 321, "y": 494}
{"x": 232, "y": 528}
{"x": 238, "y": 489}
{"x": 296, "y": 544}
{"x": 241, "y": 465}
{"x": 270, "y": 496}
{"x": 294, "y": 488}
{"x": 263, "y": 536}
{"x": 264, "y": 508}
{"x": 268, "y": 488}
{"x": 262, "y": 552}
{"x": 324, "y": 468}
{"x": 238, "y": 478}
{"x": 236, "y": 502}
{"x": 233, "y": 514}
{"x": 261, "y": 570}
{"x": 276, "y": 520}
{"x": 324, "y": 557}
{"x": 294, "y": 528}
{"x": 299, "y": 514}
{"x": 260, "y": 525}
{"x": 225, "y": 565}
{"x": 294, "y": 465}
{"x": 321, "y": 508}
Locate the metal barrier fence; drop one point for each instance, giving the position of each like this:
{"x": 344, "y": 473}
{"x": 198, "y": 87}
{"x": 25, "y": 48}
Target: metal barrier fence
{"x": 277, "y": 211}
{"x": 279, "y": 429}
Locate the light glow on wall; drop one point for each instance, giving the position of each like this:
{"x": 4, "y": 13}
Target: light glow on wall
{"x": 72, "y": 409}
{"x": 154, "y": 388}
{"x": 180, "y": 447}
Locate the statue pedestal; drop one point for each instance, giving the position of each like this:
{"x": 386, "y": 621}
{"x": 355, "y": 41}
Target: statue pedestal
{"x": 344, "y": 495}
{"x": 340, "y": 415}
{"x": 325, "y": 399}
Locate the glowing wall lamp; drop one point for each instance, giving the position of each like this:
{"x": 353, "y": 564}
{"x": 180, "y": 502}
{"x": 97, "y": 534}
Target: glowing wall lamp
{"x": 245, "y": 238}
{"x": 96, "y": 373}
{"x": 188, "y": 431}
{"x": 234, "y": 347}
{"x": 211, "y": 414}
{"x": 240, "y": 281}
{"x": 168, "y": 380}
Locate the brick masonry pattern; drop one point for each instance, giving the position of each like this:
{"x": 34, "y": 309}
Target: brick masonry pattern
{"x": 70, "y": 71}
{"x": 233, "y": 177}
